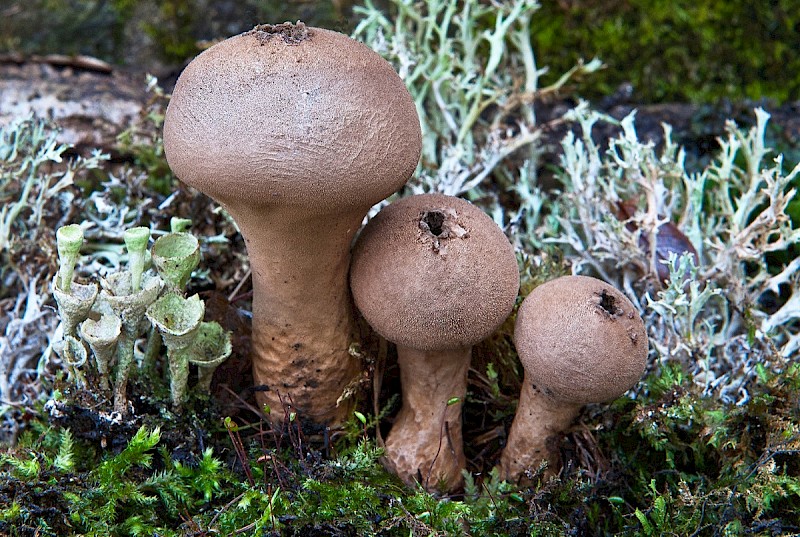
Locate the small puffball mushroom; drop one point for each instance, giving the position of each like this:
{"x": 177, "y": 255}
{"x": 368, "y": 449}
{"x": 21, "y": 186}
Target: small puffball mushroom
{"x": 435, "y": 275}
{"x": 580, "y": 341}
{"x": 297, "y": 132}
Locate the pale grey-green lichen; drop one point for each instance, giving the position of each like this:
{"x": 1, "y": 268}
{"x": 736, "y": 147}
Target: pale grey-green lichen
{"x": 35, "y": 182}
{"x": 472, "y": 73}
{"x": 713, "y": 316}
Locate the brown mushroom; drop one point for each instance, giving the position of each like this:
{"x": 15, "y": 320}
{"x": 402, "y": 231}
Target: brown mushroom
{"x": 580, "y": 341}
{"x": 435, "y": 275}
{"x": 297, "y": 132}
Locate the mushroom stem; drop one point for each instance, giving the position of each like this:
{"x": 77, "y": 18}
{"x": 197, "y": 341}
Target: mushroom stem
{"x": 303, "y": 321}
{"x": 538, "y": 420}
{"x": 425, "y": 444}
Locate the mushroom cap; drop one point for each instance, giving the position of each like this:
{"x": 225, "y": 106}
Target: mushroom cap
{"x": 434, "y": 272}
{"x": 293, "y": 116}
{"x": 580, "y": 340}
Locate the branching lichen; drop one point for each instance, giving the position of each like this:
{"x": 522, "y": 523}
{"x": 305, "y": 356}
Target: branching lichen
{"x": 473, "y": 75}
{"x": 35, "y": 188}
{"x": 716, "y": 316}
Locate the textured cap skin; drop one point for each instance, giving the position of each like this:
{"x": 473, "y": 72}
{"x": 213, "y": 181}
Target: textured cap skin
{"x": 434, "y": 272}
{"x": 290, "y": 115}
{"x": 580, "y": 340}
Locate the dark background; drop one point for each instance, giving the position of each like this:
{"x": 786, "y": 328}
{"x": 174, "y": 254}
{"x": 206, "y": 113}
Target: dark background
{"x": 697, "y": 51}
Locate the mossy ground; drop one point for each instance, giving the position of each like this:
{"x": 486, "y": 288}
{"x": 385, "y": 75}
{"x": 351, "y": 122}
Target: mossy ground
{"x": 701, "y": 51}
{"x": 670, "y": 462}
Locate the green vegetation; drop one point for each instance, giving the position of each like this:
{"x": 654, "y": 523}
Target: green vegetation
{"x": 94, "y": 27}
{"x": 674, "y": 462}
{"x": 695, "y": 50}
{"x": 145, "y": 33}
{"x": 700, "y": 51}
{"x": 707, "y": 444}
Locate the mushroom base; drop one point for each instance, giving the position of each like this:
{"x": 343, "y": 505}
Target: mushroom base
{"x": 306, "y": 369}
{"x": 425, "y": 444}
{"x": 532, "y": 438}
{"x": 303, "y": 319}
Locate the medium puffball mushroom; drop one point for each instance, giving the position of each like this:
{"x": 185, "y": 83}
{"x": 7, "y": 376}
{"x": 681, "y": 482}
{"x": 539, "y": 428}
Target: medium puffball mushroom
{"x": 297, "y": 132}
{"x": 435, "y": 275}
{"x": 580, "y": 341}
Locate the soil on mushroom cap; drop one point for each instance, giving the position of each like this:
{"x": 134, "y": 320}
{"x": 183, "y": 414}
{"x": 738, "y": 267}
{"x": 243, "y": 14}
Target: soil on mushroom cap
{"x": 292, "y": 34}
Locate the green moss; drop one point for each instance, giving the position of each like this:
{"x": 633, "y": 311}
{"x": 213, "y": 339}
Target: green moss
{"x": 674, "y": 460}
{"x": 696, "y": 50}
{"x": 92, "y": 27}
{"x": 145, "y": 33}
{"x": 676, "y": 463}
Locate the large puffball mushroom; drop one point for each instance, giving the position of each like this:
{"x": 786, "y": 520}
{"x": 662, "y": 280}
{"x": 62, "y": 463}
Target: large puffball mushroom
{"x": 435, "y": 275}
{"x": 580, "y": 341}
{"x": 297, "y": 132}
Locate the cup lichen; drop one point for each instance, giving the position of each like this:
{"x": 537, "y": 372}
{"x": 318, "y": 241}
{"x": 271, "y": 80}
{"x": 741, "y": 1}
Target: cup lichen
{"x": 177, "y": 320}
{"x": 175, "y": 256}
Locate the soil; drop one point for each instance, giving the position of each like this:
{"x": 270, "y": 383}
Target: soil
{"x": 291, "y": 33}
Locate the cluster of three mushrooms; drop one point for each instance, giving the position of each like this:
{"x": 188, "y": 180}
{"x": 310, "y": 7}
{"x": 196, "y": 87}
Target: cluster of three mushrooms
{"x": 297, "y": 132}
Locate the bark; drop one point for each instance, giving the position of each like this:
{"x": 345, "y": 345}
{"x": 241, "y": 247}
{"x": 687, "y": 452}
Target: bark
{"x": 92, "y": 107}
